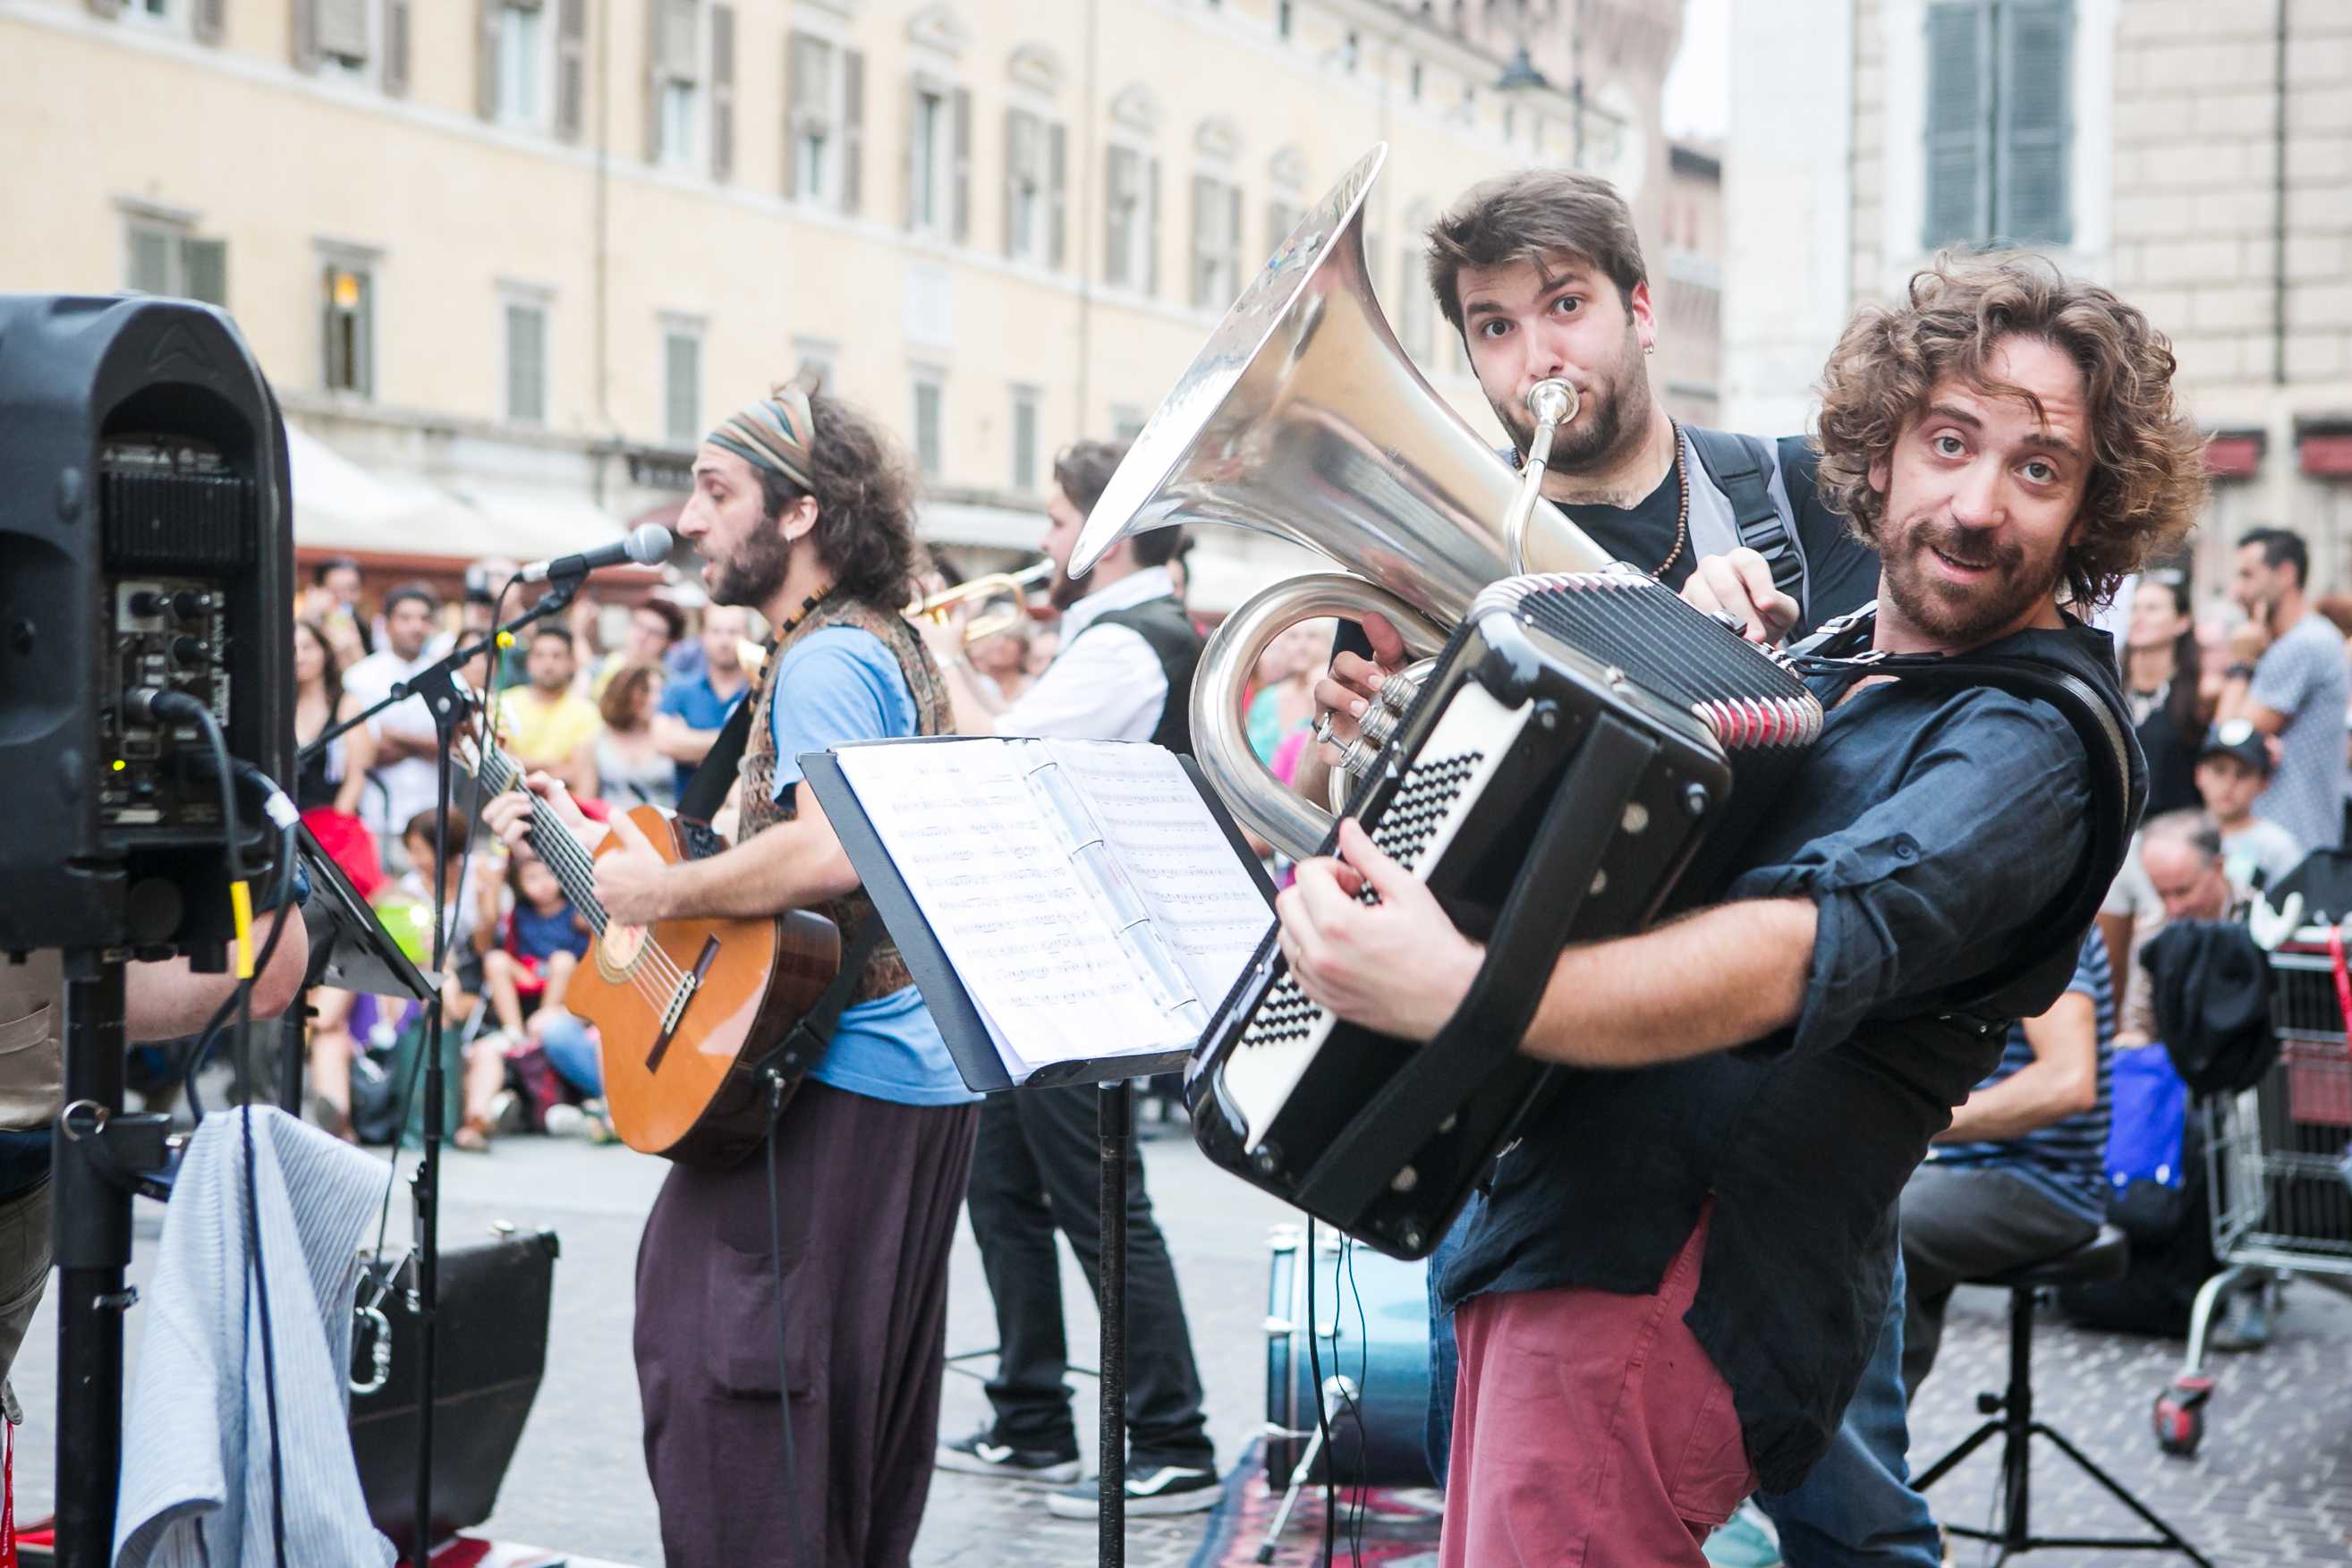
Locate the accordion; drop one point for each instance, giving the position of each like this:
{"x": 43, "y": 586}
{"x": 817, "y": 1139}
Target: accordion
{"x": 1565, "y": 773}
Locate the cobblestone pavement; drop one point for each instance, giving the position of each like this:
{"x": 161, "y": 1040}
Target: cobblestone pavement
{"x": 2272, "y": 1484}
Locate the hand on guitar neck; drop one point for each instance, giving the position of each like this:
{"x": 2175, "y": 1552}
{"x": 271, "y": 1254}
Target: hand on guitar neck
{"x": 632, "y": 879}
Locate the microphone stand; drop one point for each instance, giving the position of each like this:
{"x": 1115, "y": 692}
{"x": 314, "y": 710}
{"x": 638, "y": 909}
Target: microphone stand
{"x": 437, "y": 684}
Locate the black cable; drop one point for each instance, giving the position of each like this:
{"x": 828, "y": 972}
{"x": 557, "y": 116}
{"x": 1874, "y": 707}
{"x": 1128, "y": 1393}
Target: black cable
{"x": 1356, "y": 1401}
{"x": 783, "y": 1358}
{"x": 1322, "y": 1411}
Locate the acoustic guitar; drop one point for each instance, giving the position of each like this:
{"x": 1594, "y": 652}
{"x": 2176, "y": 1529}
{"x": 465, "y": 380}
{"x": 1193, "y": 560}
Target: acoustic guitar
{"x": 685, "y": 1008}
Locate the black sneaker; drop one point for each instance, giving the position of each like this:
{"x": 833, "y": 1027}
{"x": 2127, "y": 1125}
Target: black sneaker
{"x": 982, "y": 1455}
{"x": 1150, "y": 1489}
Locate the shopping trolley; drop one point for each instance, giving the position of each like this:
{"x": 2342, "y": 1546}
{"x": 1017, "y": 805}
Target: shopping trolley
{"x": 2279, "y": 1169}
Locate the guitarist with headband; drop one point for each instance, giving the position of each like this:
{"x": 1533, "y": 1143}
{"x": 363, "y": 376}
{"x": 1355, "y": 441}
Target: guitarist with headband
{"x": 802, "y": 512}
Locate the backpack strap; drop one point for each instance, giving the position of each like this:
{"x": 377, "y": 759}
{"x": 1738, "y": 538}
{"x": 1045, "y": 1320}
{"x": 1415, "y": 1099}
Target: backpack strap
{"x": 1743, "y": 469}
{"x": 2099, "y": 724}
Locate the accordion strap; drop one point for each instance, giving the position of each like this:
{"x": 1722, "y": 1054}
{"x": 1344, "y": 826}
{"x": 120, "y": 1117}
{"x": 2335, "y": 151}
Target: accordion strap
{"x": 2102, "y": 728}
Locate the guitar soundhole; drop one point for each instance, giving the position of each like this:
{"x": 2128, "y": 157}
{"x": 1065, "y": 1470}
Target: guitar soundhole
{"x": 618, "y": 950}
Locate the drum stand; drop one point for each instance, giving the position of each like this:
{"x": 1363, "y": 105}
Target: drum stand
{"x": 1339, "y": 1394}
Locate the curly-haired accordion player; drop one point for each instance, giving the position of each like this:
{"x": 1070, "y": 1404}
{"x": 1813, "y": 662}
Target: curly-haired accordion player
{"x": 1694, "y": 1241}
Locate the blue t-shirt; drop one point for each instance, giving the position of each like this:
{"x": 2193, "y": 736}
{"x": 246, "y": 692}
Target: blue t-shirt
{"x": 839, "y": 684}
{"x": 697, "y": 702}
{"x": 2069, "y": 1157}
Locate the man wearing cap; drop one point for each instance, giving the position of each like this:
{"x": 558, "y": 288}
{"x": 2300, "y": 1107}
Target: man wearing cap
{"x": 819, "y": 1263}
{"x": 2233, "y": 767}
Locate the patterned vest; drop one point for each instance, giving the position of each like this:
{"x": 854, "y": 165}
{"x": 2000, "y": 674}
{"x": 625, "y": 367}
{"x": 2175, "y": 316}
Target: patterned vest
{"x": 758, "y": 807}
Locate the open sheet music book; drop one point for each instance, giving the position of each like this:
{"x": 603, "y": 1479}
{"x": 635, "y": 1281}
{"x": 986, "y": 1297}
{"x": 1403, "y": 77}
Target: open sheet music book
{"x": 1089, "y": 904}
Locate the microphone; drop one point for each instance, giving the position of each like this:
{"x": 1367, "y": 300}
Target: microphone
{"x": 647, "y": 545}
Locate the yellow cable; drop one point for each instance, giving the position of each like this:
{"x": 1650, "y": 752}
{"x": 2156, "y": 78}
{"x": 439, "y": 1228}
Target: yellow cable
{"x": 240, "y": 898}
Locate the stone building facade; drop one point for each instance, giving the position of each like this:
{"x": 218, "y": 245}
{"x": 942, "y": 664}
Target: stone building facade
{"x": 505, "y": 259}
{"x": 2196, "y": 158}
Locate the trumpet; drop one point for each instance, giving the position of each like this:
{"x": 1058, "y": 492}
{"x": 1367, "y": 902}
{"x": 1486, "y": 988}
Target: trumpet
{"x": 1012, "y": 585}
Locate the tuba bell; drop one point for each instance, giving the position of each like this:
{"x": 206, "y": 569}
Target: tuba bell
{"x": 1304, "y": 418}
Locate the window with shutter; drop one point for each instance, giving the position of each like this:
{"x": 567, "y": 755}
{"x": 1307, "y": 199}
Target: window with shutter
{"x": 2029, "y": 186}
{"x": 2000, "y": 127}
{"x": 395, "y": 47}
{"x": 1024, "y": 439}
{"x": 204, "y": 270}
{"x": 680, "y": 39}
{"x": 1122, "y": 218}
{"x": 1057, "y": 187}
{"x": 928, "y": 153}
{"x": 150, "y": 259}
{"x": 1025, "y": 185}
{"x": 930, "y": 420}
{"x": 348, "y": 319}
{"x": 1959, "y": 151}
{"x": 571, "y": 68}
{"x": 526, "y": 362}
{"x": 343, "y": 30}
{"x": 521, "y": 55}
{"x": 1412, "y": 305}
{"x": 813, "y": 64}
{"x": 853, "y": 130}
{"x": 723, "y": 92}
{"x": 681, "y": 386}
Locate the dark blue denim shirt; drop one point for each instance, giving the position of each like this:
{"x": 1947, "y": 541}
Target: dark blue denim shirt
{"x": 1933, "y": 828}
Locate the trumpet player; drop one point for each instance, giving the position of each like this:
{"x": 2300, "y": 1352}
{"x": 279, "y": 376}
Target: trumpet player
{"x": 1124, "y": 672}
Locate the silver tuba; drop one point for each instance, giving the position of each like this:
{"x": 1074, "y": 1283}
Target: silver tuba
{"x": 1304, "y": 419}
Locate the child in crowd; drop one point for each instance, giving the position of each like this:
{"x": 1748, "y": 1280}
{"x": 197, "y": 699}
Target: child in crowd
{"x": 461, "y": 990}
{"x": 2232, "y": 768}
{"x": 541, "y": 942}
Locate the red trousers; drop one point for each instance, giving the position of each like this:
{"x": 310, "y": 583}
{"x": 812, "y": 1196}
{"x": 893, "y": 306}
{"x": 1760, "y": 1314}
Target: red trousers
{"x": 1589, "y": 1429}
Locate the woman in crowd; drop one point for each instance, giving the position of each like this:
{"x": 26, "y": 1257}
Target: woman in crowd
{"x": 2163, "y": 670}
{"x": 327, "y": 791}
{"x": 625, "y": 767}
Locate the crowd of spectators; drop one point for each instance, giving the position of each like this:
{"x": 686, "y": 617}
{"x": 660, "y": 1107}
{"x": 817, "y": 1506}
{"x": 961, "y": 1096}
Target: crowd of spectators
{"x": 620, "y": 701}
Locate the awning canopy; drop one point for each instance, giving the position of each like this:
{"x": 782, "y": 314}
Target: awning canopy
{"x": 341, "y": 506}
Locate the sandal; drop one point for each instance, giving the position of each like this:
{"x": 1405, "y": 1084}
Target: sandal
{"x": 472, "y": 1136}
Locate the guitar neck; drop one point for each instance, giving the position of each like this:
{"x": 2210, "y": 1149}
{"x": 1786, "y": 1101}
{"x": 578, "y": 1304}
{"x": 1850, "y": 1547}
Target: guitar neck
{"x": 566, "y": 856}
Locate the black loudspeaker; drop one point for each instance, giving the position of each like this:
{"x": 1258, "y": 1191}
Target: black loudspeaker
{"x": 146, "y": 546}
{"x": 489, "y": 1354}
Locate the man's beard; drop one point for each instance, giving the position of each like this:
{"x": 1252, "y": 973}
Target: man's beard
{"x": 1963, "y": 617}
{"x": 755, "y": 573}
{"x": 1063, "y": 590}
{"x": 1610, "y": 405}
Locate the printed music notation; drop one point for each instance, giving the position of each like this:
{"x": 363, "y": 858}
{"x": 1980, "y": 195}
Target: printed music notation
{"x": 1090, "y": 905}
{"x": 1203, "y": 900}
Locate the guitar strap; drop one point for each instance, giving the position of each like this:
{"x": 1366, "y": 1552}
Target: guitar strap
{"x": 707, "y": 790}
{"x": 804, "y": 1043}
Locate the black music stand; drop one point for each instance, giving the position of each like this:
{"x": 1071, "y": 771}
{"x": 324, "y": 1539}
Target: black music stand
{"x": 984, "y": 1070}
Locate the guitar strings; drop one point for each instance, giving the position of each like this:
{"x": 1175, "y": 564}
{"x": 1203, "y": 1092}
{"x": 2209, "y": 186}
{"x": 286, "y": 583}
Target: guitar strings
{"x": 552, "y": 834}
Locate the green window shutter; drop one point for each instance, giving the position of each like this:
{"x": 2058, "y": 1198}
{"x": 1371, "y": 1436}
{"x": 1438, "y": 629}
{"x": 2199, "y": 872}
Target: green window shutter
{"x": 204, "y": 267}
{"x": 1959, "y": 154}
{"x": 723, "y": 93}
{"x": 570, "y": 69}
{"x": 2032, "y": 201}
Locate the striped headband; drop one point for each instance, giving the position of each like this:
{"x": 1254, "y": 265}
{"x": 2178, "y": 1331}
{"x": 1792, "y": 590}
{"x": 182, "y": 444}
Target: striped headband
{"x": 773, "y": 433}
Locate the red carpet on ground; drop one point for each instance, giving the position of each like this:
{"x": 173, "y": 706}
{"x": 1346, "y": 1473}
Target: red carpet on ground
{"x": 1398, "y": 1524}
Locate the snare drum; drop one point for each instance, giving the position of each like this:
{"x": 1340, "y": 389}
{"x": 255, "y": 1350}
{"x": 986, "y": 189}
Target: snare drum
{"x": 1372, "y": 1328}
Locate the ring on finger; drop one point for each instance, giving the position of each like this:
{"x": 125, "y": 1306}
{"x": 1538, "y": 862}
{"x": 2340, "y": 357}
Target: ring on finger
{"x": 1323, "y": 725}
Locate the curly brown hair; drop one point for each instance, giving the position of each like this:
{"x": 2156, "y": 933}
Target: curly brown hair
{"x": 2147, "y": 481}
{"x": 864, "y": 504}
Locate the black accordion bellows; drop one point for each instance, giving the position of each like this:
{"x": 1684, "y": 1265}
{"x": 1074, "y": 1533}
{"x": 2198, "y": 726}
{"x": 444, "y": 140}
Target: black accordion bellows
{"x": 1565, "y": 773}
